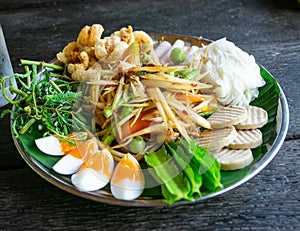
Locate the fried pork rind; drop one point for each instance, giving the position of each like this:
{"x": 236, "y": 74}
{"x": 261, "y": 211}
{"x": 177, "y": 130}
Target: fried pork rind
{"x": 69, "y": 53}
{"x": 86, "y": 41}
{"x": 143, "y": 38}
{"x": 80, "y": 55}
{"x": 89, "y": 48}
{"x": 89, "y": 36}
{"x": 126, "y": 34}
{"x": 110, "y": 49}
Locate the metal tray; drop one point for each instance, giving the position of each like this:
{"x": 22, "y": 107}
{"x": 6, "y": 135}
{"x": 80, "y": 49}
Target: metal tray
{"x": 105, "y": 197}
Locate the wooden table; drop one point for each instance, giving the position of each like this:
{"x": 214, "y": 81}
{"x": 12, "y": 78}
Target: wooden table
{"x": 269, "y": 30}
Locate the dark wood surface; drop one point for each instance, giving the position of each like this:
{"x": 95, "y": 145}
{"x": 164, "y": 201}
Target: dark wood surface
{"x": 268, "y": 29}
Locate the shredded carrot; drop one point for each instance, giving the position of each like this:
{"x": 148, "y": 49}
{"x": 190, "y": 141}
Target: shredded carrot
{"x": 190, "y": 97}
{"x": 132, "y": 126}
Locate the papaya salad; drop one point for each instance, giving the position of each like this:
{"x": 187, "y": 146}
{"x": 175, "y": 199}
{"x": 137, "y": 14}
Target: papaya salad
{"x": 127, "y": 114}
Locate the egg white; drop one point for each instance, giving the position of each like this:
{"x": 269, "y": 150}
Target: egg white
{"x": 67, "y": 165}
{"x": 49, "y": 145}
{"x": 89, "y": 180}
{"x": 124, "y": 188}
{"x": 127, "y": 189}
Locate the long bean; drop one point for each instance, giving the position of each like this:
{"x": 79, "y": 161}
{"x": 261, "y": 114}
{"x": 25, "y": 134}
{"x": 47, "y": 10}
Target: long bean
{"x": 9, "y": 100}
{"x": 27, "y": 126}
{"x": 43, "y": 64}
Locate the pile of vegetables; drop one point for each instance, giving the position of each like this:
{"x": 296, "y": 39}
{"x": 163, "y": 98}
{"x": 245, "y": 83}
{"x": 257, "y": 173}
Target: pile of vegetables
{"x": 51, "y": 103}
{"x": 45, "y": 102}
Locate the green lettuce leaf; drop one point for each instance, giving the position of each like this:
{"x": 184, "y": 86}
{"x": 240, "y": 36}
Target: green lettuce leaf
{"x": 191, "y": 172}
{"x": 175, "y": 186}
{"x": 175, "y": 164}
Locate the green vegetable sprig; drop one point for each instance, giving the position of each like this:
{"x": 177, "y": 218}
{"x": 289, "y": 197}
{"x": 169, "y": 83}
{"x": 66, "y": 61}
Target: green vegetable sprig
{"x": 47, "y": 100}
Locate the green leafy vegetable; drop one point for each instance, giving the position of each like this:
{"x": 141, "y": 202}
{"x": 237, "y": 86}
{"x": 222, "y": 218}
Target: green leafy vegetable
{"x": 206, "y": 164}
{"x": 175, "y": 186}
{"x": 193, "y": 165}
{"x": 50, "y": 103}
{"x": 27, "y": 139}
{"x": 190, "y": 169}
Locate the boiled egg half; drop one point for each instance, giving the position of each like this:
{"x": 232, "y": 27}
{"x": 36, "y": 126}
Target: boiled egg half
{"x": 95, "y": 172}
{"x": 72, "y": 161}
{"x": 127, "y": 182}
{"x": 54, "y": 146}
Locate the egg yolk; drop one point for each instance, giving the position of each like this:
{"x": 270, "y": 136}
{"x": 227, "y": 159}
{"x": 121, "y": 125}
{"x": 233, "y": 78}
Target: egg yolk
{"x": 84, "y": 150}
{"x": 67, "y": 146}
{"x": 76, "y": 140}
{"x": 127, "y": 169}
{"x": 100, "y": 162}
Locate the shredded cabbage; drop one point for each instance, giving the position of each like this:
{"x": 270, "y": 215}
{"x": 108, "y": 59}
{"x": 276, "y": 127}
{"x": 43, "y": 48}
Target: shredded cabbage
{"x": 233, "y": 72}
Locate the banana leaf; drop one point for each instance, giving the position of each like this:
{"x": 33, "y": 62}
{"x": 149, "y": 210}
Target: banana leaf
{"x": 27, "y": 140}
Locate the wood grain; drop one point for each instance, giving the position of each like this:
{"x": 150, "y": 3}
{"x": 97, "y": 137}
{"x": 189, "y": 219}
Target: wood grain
{"x": 268, "y": 29}
{"x": 269, "y": 200}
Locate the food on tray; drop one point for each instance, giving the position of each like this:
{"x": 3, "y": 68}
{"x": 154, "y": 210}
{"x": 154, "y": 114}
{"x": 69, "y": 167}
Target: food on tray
{"x": 217, "y": 138}
{"x": 54, "y": 146}
{"x": 234, "y": 73}
{"x": 169, "y": 115}
{"x": 127, "y": 182}
{"x": 228, "y": 116}
{"x": 257, "y": 118}
{"x": 72, "y": 161}
{"x": 232, "y": 159}
{"x": 246, "y": 139}
{"x": 96, "y": 171}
